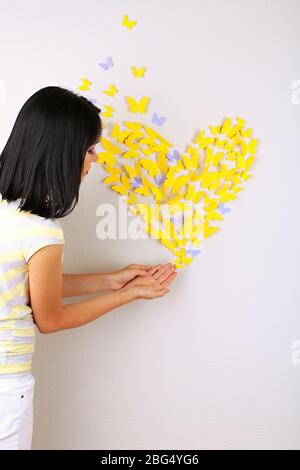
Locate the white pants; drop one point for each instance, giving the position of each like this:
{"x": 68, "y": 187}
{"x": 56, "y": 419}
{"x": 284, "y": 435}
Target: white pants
{"x": 16, "y": 412}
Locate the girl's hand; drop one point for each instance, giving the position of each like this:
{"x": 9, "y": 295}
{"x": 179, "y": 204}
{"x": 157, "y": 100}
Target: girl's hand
{"x": 148, "y": 289}
{"x": 150, "y": 292}
{"x": 164, "y": 274}
{"x": 118, "y": 279}
{"x": 155, "y": 284}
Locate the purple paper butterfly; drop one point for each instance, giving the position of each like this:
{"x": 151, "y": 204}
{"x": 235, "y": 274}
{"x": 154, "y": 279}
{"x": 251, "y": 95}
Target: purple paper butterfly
{"x": 137, "y": 182}
{"x": 106, "y": 65}
{"x": 222, "y": 209}
{"x": 160, "y": 179}
{"x": 159, "y": 120}
{"x": 192, "y": 251}
{"x": 174, "y": 157}
{"x": 177, "y": 219}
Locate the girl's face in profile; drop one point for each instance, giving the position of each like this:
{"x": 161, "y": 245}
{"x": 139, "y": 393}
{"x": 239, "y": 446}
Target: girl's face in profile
{"x": 90, "y": 157}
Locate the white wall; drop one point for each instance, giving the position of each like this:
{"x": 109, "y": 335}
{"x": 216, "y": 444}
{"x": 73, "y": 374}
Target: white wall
{"x": 209, "y": 365}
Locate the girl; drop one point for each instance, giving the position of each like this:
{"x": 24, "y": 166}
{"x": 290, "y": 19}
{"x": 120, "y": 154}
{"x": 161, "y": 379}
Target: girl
{"x": 49, "y": 152}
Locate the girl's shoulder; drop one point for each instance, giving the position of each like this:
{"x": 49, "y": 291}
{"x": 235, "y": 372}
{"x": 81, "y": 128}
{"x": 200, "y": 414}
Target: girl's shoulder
{"x": 10, "y": 211}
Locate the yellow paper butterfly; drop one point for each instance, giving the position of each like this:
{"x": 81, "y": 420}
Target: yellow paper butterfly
{"x": 85, "y": 84}
{"x": 137, "y": 106}
{"x": 108, "y": 113}
{"x": 112, "y": 90}
{"x": 138, "y": 73}
{"x": 129, "y": 24}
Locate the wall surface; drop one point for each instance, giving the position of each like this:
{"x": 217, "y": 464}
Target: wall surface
{"x": 211, "y": 364}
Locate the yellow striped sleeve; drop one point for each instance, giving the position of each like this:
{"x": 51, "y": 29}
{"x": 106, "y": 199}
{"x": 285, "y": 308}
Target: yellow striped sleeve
{"x": 40, "y": 236}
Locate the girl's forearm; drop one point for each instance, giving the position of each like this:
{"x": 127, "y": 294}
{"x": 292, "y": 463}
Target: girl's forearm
{"x": 80, "y": 313}
{"x": 82, "y": 284}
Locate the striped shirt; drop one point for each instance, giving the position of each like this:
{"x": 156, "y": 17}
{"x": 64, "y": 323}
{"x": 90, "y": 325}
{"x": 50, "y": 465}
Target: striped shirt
{"x": 22, "y": 233}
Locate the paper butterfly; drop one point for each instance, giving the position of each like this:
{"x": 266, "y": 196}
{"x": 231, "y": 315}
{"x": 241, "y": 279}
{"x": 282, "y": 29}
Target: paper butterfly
{"x": 137, "y": 106}
{"x": 112, "y": 91}
{"x": 159, "y": 120}
{"x": 138, "y": 72}
{"x": 128, "y": 24}
{"x": 106, "y": 65}
{"x": 222, "y": 209}
{"x": 108, "y": 113}
{"x": 85, "y": 84}
{"x": 177, "y": 220}
{"x": 160, "y": 179}
{"x": 137, "y": 182}
{"x": 173, "y": 157}
{"x": 191, "y": 251}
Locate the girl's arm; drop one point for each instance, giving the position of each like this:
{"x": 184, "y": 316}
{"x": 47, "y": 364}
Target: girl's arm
{"x": 81, "y": 284}
{"x": 45, "y": 285}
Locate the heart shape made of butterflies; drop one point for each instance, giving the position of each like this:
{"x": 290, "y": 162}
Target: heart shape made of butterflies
{"x": 181, "y": 197}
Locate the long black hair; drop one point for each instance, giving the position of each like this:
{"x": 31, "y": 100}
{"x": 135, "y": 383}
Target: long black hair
{"x": 43, "y": 158}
